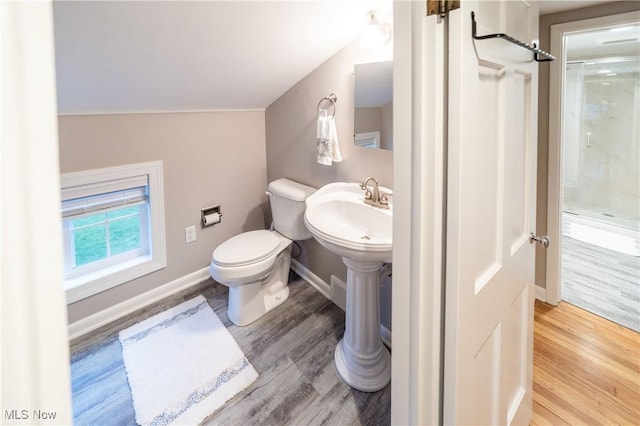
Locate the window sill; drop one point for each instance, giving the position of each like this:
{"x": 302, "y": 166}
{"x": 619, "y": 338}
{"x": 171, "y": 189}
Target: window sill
{"x": 92, "y": 283}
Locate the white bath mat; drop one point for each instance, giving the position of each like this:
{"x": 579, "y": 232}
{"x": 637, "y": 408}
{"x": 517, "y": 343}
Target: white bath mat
{"x": 182, "y": 365}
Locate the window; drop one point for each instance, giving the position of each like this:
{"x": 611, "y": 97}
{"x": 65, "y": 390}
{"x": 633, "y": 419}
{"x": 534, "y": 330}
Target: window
{"x": 368, "y": 140}
{"x": 113, "y": 227}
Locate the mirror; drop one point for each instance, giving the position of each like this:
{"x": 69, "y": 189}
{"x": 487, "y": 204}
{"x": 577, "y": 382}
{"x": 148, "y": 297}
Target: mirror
{"x": 373, "y": 100}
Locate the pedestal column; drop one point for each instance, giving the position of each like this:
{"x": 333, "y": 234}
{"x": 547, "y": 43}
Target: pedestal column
{"x": 361, "y": 359}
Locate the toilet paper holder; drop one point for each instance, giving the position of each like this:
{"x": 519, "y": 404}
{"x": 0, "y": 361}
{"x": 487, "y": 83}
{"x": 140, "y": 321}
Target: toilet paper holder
{"x": 210, "y": 215}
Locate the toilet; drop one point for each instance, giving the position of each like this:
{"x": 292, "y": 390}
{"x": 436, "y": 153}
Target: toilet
{"x": 255, "y": 265}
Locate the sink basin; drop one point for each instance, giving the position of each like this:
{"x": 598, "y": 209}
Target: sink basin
{"x": 339, "y": 220}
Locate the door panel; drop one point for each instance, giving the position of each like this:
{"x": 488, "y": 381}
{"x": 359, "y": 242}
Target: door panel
{"x": 486, "y": 381}
{"x": 518, "y": 186}
{"x": 490, "y": 213}
{"x": 514, "y": 355}
{"x": 483, "y": 228}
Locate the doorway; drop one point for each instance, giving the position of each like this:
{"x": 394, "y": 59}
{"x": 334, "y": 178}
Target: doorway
{"x": 599, "y": 195}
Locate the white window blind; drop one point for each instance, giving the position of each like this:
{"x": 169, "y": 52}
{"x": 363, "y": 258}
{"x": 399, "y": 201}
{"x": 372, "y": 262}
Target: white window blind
{"x": 93, "y": 197}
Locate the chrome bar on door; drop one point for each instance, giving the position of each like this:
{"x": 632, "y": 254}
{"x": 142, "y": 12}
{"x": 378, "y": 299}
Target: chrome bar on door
{"x": 537, "y": 53}
{"x": 588, "y": 139}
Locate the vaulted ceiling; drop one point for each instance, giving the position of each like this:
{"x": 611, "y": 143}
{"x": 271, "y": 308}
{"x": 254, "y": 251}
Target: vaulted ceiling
{"x": 114, "y": 56}
{"x": 144, "y": 56}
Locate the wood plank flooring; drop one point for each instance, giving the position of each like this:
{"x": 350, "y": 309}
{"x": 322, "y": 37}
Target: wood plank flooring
{"x": 291, "y": 348}
{"x": 602, "y": 281}
{"x": 586, "y": 369}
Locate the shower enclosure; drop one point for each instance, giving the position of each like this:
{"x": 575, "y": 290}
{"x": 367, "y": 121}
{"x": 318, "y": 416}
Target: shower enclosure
{"x": 601, "y": 151}
{"x": 601, "y": 186}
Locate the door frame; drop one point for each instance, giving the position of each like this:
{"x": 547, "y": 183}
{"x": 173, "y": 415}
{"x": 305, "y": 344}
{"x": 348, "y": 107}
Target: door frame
{"x": 555, "y": 177}
{"x": 34, "y": 355}
{"x": 419, "y": 136}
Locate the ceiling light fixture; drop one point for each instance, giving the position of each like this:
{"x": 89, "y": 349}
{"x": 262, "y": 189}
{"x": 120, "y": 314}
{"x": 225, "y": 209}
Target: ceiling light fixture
{"x": 376, "y": 33}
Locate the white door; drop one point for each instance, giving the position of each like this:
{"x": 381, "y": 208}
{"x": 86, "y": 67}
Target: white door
{"x": 488, "y": 359}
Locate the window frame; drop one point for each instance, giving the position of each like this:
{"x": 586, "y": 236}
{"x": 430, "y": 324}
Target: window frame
{"x": 94, "y": 280}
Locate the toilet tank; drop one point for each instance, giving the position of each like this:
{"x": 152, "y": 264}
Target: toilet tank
{"x": 287, "y": 207}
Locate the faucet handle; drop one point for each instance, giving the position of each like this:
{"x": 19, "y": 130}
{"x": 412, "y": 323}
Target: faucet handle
{"x": 384, "y": 200}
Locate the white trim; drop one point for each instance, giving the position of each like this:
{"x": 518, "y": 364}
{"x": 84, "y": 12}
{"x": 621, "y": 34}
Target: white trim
{"x": 93, "y": 282}
{"x": 541, "y": 294}
{"x": 186, "y": 111}
{"x": 403, "y": 409}
{"x": 106, "y": 316}
{"x": 315, "y": 281}
{"x": 555, "y": 178}
{"x": 419, "y": 108}
{"x": 34, "y": 354}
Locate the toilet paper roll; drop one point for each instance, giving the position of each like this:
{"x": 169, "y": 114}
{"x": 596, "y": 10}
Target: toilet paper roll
{"x": 211, "y": 219}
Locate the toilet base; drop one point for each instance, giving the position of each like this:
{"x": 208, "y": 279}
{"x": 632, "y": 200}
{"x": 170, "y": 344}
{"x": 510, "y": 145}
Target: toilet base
{"x": 250, "y": 302}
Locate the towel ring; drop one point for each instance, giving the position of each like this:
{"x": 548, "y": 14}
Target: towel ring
{"x": 331, "y": 98}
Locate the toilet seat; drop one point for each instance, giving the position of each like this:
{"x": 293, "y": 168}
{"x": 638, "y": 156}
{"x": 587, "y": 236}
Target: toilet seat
{"x": 247, "y": 257}
{"x": 246, "y": 248}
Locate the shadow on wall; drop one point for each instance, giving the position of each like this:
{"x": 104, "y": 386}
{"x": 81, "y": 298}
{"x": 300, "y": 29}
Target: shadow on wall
{"x": 291, "y": 123}
{"x": 261, "y": 213}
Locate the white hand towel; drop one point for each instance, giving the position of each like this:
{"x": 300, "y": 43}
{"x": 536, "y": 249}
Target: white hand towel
{"x": 336, "y": 156}
{"x": 327, "y": 134}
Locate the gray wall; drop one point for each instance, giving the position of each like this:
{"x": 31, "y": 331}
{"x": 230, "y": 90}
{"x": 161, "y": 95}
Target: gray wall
{"x": 291, "y": 144}
{"x": 376, "y": 119}
{"x": 208, "y": 158}
{"x": 546, "y": 21}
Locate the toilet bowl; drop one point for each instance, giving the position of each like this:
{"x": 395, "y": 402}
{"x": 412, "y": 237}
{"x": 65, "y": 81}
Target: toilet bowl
{"x": 255, "y": 267}
{"x": 255, "y": 264}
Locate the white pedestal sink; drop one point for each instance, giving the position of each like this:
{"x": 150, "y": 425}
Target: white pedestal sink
{"x": 339, "y": 220}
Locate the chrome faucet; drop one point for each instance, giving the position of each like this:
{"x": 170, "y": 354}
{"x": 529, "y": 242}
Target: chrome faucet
{"x": 375, "y": 198}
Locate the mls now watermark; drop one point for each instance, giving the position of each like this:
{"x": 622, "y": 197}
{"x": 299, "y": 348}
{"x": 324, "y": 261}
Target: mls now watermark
{"x": 29, "y": 415}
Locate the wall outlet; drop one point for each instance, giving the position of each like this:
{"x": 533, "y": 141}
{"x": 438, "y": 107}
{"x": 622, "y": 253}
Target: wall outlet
{"x": 190, "y": 234}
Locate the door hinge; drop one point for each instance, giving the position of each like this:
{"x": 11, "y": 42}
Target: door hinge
{"x": 441, "y": 7}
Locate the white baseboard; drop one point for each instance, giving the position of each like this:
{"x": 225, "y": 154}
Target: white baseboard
{"x": 541, "y": 294}
{"x": 315, "y": 281}
{"x": 97, "y": 320}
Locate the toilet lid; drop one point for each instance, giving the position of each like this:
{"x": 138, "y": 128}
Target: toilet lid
{"x": 245, "y": 248}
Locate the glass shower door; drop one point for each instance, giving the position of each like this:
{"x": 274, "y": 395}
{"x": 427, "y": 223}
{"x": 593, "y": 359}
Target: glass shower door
{"x": 572, "y": 135}
{"x": 601, "y": 141}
